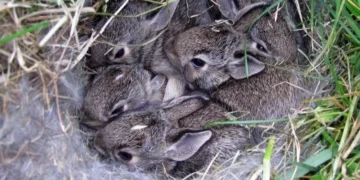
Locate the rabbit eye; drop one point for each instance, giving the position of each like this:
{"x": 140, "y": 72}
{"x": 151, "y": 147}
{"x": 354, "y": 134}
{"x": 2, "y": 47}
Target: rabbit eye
{"x": 238, "y": 54}
{"x": 125, "y": 156}
{"x": 261, "y": 48}
{"x": 198, "y": 62}
{"x": 118, "y": 110}
{"x": 120, "y": 53}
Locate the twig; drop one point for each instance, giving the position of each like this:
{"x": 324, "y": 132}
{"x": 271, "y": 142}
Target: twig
{"x": 53, "y": 30}
{"x": 54, "y": 11}
{"x": 209, "y": 166}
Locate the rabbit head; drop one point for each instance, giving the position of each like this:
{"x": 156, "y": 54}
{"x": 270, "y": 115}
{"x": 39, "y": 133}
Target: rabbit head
{"x": 208, "y": 56}
{"x": 120, "y": 88}
{"x": 173, "y": 141}
{"x": 276, "y": 90}
{"x": 147, "y": 141}
{"x": 279, "y": 35}
{"x": 124, "y": 37}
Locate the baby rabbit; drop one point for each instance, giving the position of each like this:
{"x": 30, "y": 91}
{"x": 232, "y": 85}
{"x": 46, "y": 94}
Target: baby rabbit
{"x": 272, "y": 93}
{"x": 123, "y": 88}
{"x": 152, "y": 142}
{"x": 120, "y": 88}
{"x": 208, "y": 57}
{"x": 122, "y": 40}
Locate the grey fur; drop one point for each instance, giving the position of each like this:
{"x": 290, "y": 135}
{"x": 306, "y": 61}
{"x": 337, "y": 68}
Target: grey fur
{"x": 162, "y": 147}
{"x": 265, "y": 95}
{"x": 120, "y": 88}
{"x": 220, "y": 48}
{"x": 271, "y": 91}
{"x": 36, "y": 144}
{"x": 124, "y": 88}
{"x": 131, "y": 37}
{"x": 159, "y": 145}
{"x": 278, "y": 90}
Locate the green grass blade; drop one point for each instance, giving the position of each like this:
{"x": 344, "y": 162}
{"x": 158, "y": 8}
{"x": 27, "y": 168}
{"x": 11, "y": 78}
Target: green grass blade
{"x": 306, "y": 166}
{"x": 267, "y": 159}
{"x": 313, "y": 161}
{"x": 345, "y": 133}
{"x": 24, "y": 31}
{"x": 312, "y": 12}
{"x": 352, "y": 24}
{"x": 328, "y": 138}
{"x": 353, "y": 7}
{"x": 342, "y": 24}
{"x": 245, "y": 122}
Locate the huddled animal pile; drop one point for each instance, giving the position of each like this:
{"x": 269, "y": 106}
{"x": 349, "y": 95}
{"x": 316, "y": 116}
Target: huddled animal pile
{"x": 158, "y": 78}
{"x": 161, "y": 77}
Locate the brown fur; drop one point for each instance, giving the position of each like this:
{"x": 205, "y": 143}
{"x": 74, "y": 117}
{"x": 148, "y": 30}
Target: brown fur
{"x": 271, "y": 93}
{"x": 275, "y": 92}
{"x": 133, "y": 39}
{"x": 117, "y": 89}
{"x": 150, "y": 147}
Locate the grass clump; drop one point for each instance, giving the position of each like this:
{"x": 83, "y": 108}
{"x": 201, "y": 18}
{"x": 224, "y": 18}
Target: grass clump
{"x": 335, "y": 122}
{"x": 331, "y": 131}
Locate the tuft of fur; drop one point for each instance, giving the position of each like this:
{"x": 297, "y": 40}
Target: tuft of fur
{"x": 40, "y": 139}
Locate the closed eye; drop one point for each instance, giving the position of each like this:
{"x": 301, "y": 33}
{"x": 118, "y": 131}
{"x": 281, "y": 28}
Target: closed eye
{"x": 118, "y": 110}
{"x": 261, "y": 48}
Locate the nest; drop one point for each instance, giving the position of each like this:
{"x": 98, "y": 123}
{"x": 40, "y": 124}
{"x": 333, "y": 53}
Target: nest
{"x": 41, "y": 85}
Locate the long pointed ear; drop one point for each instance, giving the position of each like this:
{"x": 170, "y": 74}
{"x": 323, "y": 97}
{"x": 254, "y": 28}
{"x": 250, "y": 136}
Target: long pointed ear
{"x": 157, "y": 82}
{"x": 201, "y": 96}
{"x": 187, "y": 145}
{"x": 171, "y": 53}
{"x": 184, "y": 106}
{"x": 231, "y": 10}
{"x": 237, "y": 68}
{"x": 155, "y": 86}
{"x": 228, "y": 8}
{"x": 163, "y": 17}
{"x": 248, "y": 8}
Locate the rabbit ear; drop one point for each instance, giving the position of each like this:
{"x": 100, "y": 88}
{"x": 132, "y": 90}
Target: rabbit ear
{"x": 155, "y": 87}
{"x": 237, "y": 68}
{"x": 194, "y": 95}
{"x": 248, "y": 8}
{"x": 231, "y": 10}
{"x": 162, "y": 18}
{"x": 187, "y": 145}
{"x": 171, "y": 53}
{"x": 157, "y": 82}
{"x": 184, "y": 106}
{"x": 228, "y": 8}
